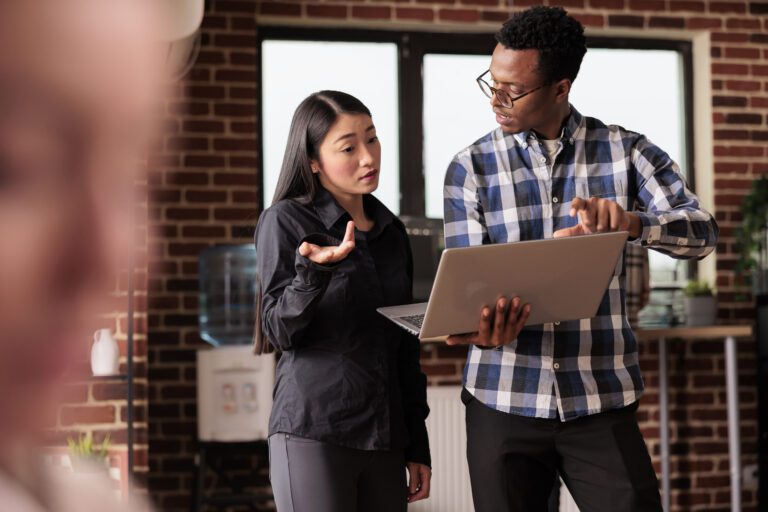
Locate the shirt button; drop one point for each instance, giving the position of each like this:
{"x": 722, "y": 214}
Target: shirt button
{"x": 542, "y": 159}
{"x": 556, "y": 366}
{"x": 555, "y": 199}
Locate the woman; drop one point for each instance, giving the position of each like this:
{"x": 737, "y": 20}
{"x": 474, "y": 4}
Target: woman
{"x": 350, "y": 398}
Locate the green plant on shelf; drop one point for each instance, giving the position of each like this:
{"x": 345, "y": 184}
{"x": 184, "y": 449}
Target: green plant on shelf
{"x": 697, "y": 288}
{"x": 84, "y": 449}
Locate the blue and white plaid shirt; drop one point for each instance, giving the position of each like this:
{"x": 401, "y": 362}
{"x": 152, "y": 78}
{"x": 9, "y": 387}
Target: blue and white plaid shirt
{"x": 502, "y": 189}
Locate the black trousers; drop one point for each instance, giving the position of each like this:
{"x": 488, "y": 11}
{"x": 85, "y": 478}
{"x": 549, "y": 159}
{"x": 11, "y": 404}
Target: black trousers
{"x": 311, "y": 476}
{"x": 514, "y": 461}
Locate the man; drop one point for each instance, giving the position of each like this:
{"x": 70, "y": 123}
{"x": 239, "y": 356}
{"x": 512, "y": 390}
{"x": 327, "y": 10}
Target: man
{"x": 79, "y": 86}
{"x": 559, "y": 398}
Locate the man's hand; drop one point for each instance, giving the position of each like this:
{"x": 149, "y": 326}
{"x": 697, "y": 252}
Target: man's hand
{"x": 330, "y": 255}
{"x": 598, "y": 215}
{"x": 419, "y": 477}
{"x": 507, "y": 324}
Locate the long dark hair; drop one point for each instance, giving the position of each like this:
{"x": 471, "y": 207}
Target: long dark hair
{"x": 311, "y": 122}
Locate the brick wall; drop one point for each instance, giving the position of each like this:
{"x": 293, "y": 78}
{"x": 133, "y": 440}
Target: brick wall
{"x": 204, "y": 190}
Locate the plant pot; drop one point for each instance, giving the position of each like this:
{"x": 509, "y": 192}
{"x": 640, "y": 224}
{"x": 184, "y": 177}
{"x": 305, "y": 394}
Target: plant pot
{"x": 700, "y": 310}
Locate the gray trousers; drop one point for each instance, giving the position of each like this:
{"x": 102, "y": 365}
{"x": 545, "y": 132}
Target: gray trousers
{"x": 312, "y": 476}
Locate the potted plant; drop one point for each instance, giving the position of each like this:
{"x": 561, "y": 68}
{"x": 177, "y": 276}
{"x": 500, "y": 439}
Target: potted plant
{"x": 752, "y": 235}
{"x": 700, "y": 304}
{"x": 86, "y": 455}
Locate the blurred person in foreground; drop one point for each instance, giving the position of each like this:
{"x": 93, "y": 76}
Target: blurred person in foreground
{"x": 79, "y": 80}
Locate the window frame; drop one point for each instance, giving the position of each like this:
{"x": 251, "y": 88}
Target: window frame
{"x": 412, "y": 47}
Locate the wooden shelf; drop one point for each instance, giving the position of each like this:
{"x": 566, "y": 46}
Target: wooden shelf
{"x": 708, "y": 332}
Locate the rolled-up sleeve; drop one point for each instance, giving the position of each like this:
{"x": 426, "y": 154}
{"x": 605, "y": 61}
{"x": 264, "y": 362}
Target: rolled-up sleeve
{"x": 291, "y": 285}
{"x": 673, "y": 221}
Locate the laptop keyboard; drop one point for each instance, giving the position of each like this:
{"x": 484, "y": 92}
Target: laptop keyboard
{"x": 415, "y": 320}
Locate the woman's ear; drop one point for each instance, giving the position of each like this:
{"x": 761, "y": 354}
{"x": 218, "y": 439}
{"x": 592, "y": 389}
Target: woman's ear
{"x": 315, "y": 166}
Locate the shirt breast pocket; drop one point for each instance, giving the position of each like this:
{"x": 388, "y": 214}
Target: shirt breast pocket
{"x": 611, "y": 187}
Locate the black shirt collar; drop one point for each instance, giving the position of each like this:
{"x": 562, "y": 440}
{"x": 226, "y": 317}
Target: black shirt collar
{"x": 331, "y": 213}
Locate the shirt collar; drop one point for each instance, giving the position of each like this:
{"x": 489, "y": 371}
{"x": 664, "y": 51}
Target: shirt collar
{"x": 570, "y": 129}
{"x": 331, "y": 213}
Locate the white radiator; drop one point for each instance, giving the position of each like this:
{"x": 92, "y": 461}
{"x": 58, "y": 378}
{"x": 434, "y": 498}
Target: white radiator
{"x": 451, "y": 491}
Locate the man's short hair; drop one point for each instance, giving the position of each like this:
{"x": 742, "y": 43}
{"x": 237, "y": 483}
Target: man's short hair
{"x": 558, "y": 37}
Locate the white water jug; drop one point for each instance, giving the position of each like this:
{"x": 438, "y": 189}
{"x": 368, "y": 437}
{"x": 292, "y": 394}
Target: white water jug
{"x": 105, "y": 354}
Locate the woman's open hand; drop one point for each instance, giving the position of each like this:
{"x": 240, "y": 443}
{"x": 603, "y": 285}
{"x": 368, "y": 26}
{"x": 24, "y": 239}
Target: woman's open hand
{"x": 330, "y": 255}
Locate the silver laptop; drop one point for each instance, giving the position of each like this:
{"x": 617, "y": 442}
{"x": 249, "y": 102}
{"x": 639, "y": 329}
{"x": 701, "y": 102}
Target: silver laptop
{"x": 562, "y": 279}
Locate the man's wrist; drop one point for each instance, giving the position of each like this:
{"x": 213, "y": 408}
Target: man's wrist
{"x": 635, "y": 225}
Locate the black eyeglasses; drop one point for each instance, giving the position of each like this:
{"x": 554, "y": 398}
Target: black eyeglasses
{"x": 501, "y": 95}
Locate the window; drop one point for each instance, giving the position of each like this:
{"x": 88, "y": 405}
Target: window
{"x": 421, "y": 90}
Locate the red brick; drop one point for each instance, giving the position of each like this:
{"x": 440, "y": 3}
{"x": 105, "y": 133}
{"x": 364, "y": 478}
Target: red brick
{"x": 483, "y": 2}
{"x": 236, "y": 75}
{"x": 235, "y": 144}
{"x": 498, "y": 16}
{"x": 666, "y": 22}
{"x": 607, "y": 4}
{"x": 726, "y": 7}
{"x": 460, "y": 15}
{"x": 90, "y": 414}
{"x": 235, "y": 40}
{"x": 626, "y": 21}
{"x": 188, "y": 178}
{"x": 729, "y": 37}
{"x": 729, "y": 101}
{"x": 204, "y": 161}
{"x": 740, "y": 151}
{"x": 731, "y": 134}
{"x": 742, "y": 85}
{"x": 742, "y": 23}
{"x": 236, "y": 6}
{"x": 327, "y": 11}
{"x": 647, "y": 5}
{"x": 205, "y": 196}
{"x": 729, "y": 69}
{"x": 229, "y": 178}
{"x": 204, "y": 232}
{"x": 197, "y": 126}
{"x": 238, "y": 214}
{"x": 742, "y": 53}
{"x": 279, "y": 9}
{"x": 414, "y": 14}
{"x": 186, "y": 214}
{"x": 686, "y": 5}
{"x": 371, "y": 12}
{"x": 702, "y": 23}
{"x": 590, "y": 20}
{"x": 740, "y": 118}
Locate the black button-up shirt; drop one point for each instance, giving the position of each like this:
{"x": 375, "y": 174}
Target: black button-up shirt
{"x": 346, "y": 376}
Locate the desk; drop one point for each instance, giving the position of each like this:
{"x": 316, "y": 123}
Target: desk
{"x": 728, "y": 333}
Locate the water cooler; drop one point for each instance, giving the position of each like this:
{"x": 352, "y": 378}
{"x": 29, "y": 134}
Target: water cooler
{"x": 234, "y": 386}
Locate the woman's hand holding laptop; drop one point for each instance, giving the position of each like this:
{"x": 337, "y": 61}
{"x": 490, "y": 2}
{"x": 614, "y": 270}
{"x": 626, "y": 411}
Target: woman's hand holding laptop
{"x": 499, "y": 328}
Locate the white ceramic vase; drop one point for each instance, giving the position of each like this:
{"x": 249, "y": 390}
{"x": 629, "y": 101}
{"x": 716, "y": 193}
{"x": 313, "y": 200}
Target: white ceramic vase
{"x": 105, "y": 354}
